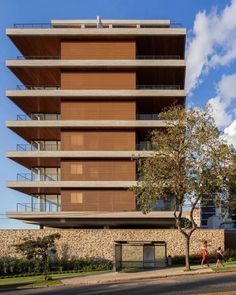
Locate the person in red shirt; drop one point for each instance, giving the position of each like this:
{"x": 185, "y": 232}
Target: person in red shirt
{"x": 204, "y": 254}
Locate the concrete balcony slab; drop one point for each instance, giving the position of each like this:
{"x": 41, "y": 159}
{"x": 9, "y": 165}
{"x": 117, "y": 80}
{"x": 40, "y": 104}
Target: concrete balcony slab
{"x": 75, "y": 124}
{"x": 77, "y": 154}
{"x": 67, "y": 219}
{"x": 32, "y": 159}
{"x": 68, "y": 64}
{"x": 80, "y": 32}
{"x": 124, "y": 94}
{"x": 54, "y": 187}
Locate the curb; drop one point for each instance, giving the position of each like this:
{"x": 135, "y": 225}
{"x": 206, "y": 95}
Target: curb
{"x": 121, "y": 281}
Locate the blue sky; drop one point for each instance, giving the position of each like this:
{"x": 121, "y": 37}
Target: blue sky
{"x": 211, "y": 58}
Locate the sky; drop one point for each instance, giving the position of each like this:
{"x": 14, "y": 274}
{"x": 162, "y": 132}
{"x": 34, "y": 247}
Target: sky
{"x": 210, "y": 55}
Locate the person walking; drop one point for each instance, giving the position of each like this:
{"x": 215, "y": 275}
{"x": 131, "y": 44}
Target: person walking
{"x": 204, "y": 254}
{"x": 219, "y": 257}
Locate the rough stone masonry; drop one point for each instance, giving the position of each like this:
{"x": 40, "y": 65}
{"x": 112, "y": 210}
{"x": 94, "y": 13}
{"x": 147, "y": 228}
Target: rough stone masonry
{"x": 98, "y": 243}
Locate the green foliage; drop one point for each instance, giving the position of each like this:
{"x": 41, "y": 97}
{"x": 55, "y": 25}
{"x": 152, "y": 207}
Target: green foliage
{"x": 24, "y": 267}
{"x": 49, "y": 282}
{"x": 38, "y": 251}
{"x": 190, "y": 160}
{"x": 232, "y": 189}
{"x": 194, "y": 259}
{"x": 186, "y": 223}
{"x": 231, "y": 259}
{"x": 38, "y": 248}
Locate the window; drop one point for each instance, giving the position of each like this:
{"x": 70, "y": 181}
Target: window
{"x": 76, "y": 169}
{"x": 76, "y": 198}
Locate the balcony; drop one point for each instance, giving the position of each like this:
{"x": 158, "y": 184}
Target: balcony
{"x": 37, "y": 87}
{"x": 52, "y": 97}
{"x": 42, "y": 129}
{"x": 45, "y": 117}
{"x": 39, "y": 146}
{"x": 159, "y": 87}
{"x": 50, "y": 185}
{"x": 57, "y": 87}
{"x": 33, "y": 158}
{"x": 144, "y": 146}
{"x": 37, "y": 177}
{"x": 158, "y": 57}
{"x": 48, "y": 57}
{"x": 41, "y": 57}
{"x": 75, "y": 219}
{"x": 147, "y": 117}
{"x": 32, "y": 25}
{"x": 26, "y": 147}
{"x": 158, "y": 40}
{"x": 161, "y": 205}
{"x": 38, "y": 207}
{"x": 38, "y": 116}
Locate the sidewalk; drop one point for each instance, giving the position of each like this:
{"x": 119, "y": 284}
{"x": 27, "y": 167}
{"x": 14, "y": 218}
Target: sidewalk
{"x": 115, "y": 277}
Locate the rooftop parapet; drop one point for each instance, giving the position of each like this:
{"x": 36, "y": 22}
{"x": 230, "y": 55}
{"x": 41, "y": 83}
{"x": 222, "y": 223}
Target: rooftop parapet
{"x": 110, "y": 23}
{"x": 99, "y": 23}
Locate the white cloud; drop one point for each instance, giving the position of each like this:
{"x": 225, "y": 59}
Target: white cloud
{"x": 230, "y": 133}
{"x": 221, "y": 104}
{"x": 222, "y": 118}
{"x": 213, "y": 43}
{"x": 224, "y": 59}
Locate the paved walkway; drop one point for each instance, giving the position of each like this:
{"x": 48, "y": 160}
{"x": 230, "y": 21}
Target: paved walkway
{"x": 115, "y": 277}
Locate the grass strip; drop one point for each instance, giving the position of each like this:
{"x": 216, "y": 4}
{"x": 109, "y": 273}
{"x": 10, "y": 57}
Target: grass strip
{"x": 41, "y": 284}
{"x": 37, "y": 284}
{"x": 226, "y": 268}
{"x": 41, "y": 277}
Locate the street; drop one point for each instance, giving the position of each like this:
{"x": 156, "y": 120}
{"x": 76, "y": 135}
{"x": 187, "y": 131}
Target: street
{"x": 216, "y": 283}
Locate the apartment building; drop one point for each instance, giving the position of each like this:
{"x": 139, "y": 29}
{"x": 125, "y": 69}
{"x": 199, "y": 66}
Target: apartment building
{"x": 90, "y": 94}
{"x": 196, "y": 216}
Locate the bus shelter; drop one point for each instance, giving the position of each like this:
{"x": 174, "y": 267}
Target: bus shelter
{"x": 139, "y": 255}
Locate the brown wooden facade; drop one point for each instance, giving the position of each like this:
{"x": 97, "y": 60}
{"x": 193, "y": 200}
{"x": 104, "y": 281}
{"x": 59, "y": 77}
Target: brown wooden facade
{"x": 97, "y": 108}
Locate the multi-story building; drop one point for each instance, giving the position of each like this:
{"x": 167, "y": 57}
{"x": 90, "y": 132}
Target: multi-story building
{"x": 208, "y": 210}
{"x": 196, "y": 216}
{"x": 90, "y": 95}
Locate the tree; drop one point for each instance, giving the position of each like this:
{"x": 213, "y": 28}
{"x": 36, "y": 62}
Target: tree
{"x": 39, "y": 250}
{"x": 190, "y": 160}
{"x": 232, "y": 192}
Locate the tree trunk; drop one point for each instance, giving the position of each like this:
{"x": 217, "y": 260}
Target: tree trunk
{"x": 187, "y": 235}
{"x": 187, "y": 264}
{"x": 45, "y": 269}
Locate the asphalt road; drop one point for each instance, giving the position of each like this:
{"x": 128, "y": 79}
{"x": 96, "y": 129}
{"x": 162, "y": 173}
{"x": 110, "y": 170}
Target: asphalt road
{"x": 217, "y": 283}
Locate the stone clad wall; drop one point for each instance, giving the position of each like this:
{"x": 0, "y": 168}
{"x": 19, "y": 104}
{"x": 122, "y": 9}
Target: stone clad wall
{"x": 99, "y": 242}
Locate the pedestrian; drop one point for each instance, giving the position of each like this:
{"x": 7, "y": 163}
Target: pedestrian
{"x": 204, "y": 254}
{"x": 219, "y": 257}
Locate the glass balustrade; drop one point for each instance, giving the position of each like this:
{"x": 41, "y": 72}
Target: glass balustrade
{"x": 37, "y": 177}
{"x": 38, "y": 207}
{"x": 144, "y": 146}
{"x": 38, "y": 87}
{"x": 158, "y": 87}
{"x": 40, "y": 146}
{"x": 38, "y": 116}
{"x": 147, "y": 117}
{"x": 153, "y": 56}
